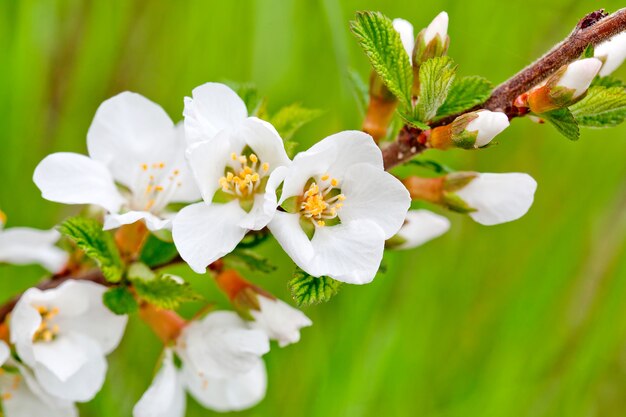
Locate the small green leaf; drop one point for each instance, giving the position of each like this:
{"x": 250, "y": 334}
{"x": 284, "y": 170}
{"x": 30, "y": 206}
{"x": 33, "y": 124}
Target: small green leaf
{"x": 250, "y": 260}
{"x": 120, "y": 300}
{"x": 96, "y": 243}
{"x": 411, "y": 120}
{"x": 601, "y": 107}
{"x": 307, "y": 290}
{"x": 164, "y": 291}
{"x": 156, "y": 252}
{"x": 588, "y": 52}
{"x": 465, "y": 93}
{"x": 431, "y": 165}
{"x": 436, "y": 78}
{"x": 564, "y": 122}
{"x": 359, "y": 90}
{"x": 607, "y": 81}
{"x": 383, "y": 47}
{"x": 290, "y": 119}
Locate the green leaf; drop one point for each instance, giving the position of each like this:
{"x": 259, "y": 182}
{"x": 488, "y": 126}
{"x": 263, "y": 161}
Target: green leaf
{"x": 410, "y": 119}
{"x": 290, "y": 119}
{"x": 601, "y": 107}
{"x": 96, "y": 243}
{"x": 436, "y": 77}
{"x": 120, "y": 300}
{"x": 248, "y": 93}
{"x": 156, "y": 252}
{"x": 307, "y": 290}
{"x": 564, "y": 122}
{"x": 465, "y": 93}
{"x": 250, "y": 260}
{"x": 359, "y": 90}
{"x": 588, "y": 52}
{"x": 164, "y": 291}
{"x": 385, "y": 51}
{"x": 431, "y": 165}
{"x": 607, "y": 81}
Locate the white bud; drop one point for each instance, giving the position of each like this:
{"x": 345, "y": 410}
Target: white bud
{"x": 499, "y": 198}
{"x": 405, "y": 29}
{"x": 612, "y": 52}
{"x": 579, "y": 75}
{"x": 279, "y": 320}
{"x": 488, "y": 124}
{"x": 438, "y": 27}
{"x": 421, "y": 226}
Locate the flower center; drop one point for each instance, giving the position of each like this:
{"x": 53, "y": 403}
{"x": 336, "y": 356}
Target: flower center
{"x": 245, "y": 176}
{"x": 155, "y": 186}
{"x": 321, "y": 202}
{"x": 47, "y": 331}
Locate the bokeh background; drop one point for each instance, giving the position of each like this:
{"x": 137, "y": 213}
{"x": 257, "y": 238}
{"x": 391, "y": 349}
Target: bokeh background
{"x": 522, "y": 319}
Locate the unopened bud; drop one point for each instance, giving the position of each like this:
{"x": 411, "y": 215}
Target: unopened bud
{"x": 477, "y": 129}
{"x": 612, "y": 53}
{"x": 405, "y": 29}
{"x": 565, "y": 86}
{"x": 419, "y": 227}
{"x": 242, "y": 294}
{"x": 430, "y": 43}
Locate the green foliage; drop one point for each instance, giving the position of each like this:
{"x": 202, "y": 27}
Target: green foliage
{"x": 385, "y": 51}
{"x": 436, "y": 77}
{"x": 564, "y": 122}
{"x": 607, "y": 82}
{"x": 120, "y": 300}
{"x": 164, "y": 291}
{"x": 465, "y": 93}
{"x": 431, "y": 165}
{"x": 156, "y": 252}
{"x": 250, "y": 260}
{"x": 307, "y": 290}
{"x": 359, "y": 89}
{"x": 588, "y": 52}
{"x": 249, "y": 94}
{"x": 601, "y": 107}
{"x": 289, "y": 120}
{"x": 96, "y": 243}
{"x": 411, "y": 119}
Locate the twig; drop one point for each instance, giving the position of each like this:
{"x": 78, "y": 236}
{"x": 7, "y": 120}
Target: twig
{"x": 593, "y": 29}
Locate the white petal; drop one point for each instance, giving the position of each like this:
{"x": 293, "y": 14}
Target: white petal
{"x": 129, "y": 130}
{"x": 265, "y": 141}
{"x": 279, "y": 320}
{"x": 285, "y": 227}
{"x": 265, "y": 204}
{"x": 204, "y": 233}
{"x": 420, "y": 227}
{"x": 405, "y": 29}
{"x": 579, "y": 75}
{"x": 208, "y": 161}
{"x": 22, "y": 245}
{"x": 221, "y": 345}
{"x": 438, "y": 27}
{"x": 229, "y": 394}
{"x": 213, "y": 107}
{"x": 153, "y": 223}
{"x": 349, "y": 252}
{"x": 83, "y": 384}
{"x": 5, "y": 352}
{"x": 613, "y": 52}
{"x": 374, "y": 194}
{"x": 499, "y": 198}
{"x": 71, "y": 178}
{"x": 488, "y": 124}
{"x": 63, "y": 356}
{"x": 187, "y": 190}
{"x": 166, "y": 396}
{"x": 24, "y": 322}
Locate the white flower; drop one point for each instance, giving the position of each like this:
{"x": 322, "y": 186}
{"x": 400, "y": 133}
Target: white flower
{"x": 437, "y": 28}
{"x": 612, "y": 53}
{"x": 279, "y": 320}
{"x": 487, "y": 126}
{"x": 221, "y": 368}
{"x": 21, "y": 395}
{"x": 23, "y": 245}
{"x": 63, "y": 334}
{"x": 419, "y": 227}
{"x": 232, "y": 157}
{"x": 405, "y": 29}
{"x": 339, "y": 208}
{"x": 499, "y": 198}
{"x": 579, "y": 75}
{"x": 135, "y": 168}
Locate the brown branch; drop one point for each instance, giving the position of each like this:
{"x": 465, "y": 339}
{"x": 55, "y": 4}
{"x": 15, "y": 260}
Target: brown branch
{"x": 593, "y": 29}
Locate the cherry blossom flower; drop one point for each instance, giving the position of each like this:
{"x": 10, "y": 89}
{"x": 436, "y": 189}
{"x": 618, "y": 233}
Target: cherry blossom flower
{"x": 23, "y": 245}
{"x": 221, "y": 367}
{"x": 232, "y": 157}
{"x": 135, "y": 168}
{"x": 22, "y": 396}
{"x": 63, "y": 334}
{"x": 419, "y": 227}
{"x": 338, "y": 206}
{"x": 612, "y": 53}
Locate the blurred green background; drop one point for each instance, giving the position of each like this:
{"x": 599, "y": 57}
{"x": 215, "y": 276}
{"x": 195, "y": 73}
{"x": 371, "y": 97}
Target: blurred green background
{"x": 522, "y": 319}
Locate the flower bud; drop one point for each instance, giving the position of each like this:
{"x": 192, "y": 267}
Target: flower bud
{"x": 565, "y": 86}
{"x": 405, "y": 29}
{"x": 420, "y": 226}
{"x": 430, "y": 43}
{"x": 477, "y": 129}
{"x": 612, "y": 53}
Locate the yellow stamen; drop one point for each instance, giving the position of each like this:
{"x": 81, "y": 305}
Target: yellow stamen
{"x": 334, "y": 182}
{"x": 318, "y": 204}
{"x": 266, "y": 167}
{"x": 144, "y": 167}
{"x": 254, "y": 158}
{"x": 325, "y": 177}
